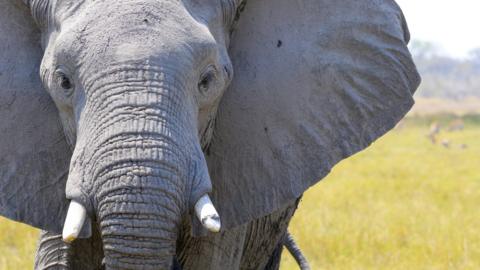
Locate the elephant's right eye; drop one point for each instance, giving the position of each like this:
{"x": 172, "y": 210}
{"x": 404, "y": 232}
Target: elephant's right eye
{"x": 64, "y": 82}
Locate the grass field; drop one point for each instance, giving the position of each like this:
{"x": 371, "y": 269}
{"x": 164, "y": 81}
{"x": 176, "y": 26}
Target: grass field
{"x": 404, "y": 203}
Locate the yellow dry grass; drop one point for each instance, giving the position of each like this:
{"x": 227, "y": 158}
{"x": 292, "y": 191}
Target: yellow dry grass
{"x": 404, "y": 203}
{"x": 17, "y": 245}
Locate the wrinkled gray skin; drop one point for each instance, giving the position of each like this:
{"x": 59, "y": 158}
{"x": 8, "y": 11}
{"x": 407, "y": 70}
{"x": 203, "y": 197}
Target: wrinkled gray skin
{"x": 137, "y": 85}
{"x": 162, "y": 70}
{"x": 157, "y": 83}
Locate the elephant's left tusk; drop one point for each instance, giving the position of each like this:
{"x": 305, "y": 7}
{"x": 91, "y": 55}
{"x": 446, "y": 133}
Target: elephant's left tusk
{"x": 74, "y": 222}
{"x": 207, "y": 214}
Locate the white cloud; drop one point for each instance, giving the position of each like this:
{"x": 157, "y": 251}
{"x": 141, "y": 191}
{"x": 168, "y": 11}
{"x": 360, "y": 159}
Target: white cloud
{"x": 453, "y": 24}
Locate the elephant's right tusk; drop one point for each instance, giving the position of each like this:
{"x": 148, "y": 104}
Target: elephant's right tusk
{"x": 207, "y": 214}
{"x": 74, "y": 222}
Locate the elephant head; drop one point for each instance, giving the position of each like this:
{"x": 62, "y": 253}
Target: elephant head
{"x": 131, "y": 120}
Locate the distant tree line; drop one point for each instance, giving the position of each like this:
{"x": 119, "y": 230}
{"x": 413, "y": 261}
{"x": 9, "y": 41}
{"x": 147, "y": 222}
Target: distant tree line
{"x": 444, "y": 76}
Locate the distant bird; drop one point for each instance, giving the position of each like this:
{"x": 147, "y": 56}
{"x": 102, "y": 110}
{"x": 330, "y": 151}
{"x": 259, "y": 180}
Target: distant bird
{"x": 446, "y": 143}
{"x": 433, "y": 132}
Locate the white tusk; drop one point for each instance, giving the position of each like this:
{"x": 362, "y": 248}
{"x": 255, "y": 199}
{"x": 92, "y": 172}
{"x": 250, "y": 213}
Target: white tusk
{"x": 207, "y": 214}
{"x": 74, "y": 222}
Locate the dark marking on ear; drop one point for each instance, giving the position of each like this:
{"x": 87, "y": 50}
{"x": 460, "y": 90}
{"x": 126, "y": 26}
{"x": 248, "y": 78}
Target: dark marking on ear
{"x": 265, "y": 129}
{"x": 145, "y": 20}
{"x": 279, "y": 43}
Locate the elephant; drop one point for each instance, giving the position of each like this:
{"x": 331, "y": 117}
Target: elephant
{"x": 160, "y": 134}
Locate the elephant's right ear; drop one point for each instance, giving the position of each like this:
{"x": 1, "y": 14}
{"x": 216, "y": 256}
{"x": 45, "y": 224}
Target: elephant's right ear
{"x": 315, "y": 81}
{"x": 34, "y": 156}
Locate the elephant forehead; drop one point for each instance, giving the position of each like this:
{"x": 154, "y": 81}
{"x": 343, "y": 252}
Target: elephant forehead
{"x": 141, "y": 32}
{"x": 126, "y": 52}
{"x": 122, "y": 13}
{"x": 102, "y": 23}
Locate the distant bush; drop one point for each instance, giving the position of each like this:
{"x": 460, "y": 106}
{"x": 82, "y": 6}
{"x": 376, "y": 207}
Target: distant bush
{"x": 443, "y": 119}
{"x": 443, "y": 76}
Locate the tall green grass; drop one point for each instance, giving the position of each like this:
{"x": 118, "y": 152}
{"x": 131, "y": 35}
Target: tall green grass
{"x": 403, "y": 203}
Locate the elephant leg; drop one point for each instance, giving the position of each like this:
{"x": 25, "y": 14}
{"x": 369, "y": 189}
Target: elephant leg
{"x": 250, "y": 246}
{"x": 274, "y": 261}
{"x": 292, "y": 247}
{"x": 84, "y": 254}
{"x": 213, "y": 252}
{"x": 264, "y": 239}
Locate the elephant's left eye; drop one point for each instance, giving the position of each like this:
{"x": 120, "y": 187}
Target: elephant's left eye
{"x": 207, "y": 80}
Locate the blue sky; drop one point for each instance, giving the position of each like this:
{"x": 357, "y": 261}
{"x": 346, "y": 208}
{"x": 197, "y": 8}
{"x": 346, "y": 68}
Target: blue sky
{"x": 453, "y": 25}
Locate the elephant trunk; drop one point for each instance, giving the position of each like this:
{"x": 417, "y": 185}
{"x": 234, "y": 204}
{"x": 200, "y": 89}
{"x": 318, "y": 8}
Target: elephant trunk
{"x": 141, "y": 197}
{"x": 139, "y": 221}
{"x": 138, "y": 167}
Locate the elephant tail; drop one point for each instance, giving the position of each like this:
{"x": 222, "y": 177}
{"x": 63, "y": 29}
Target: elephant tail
{"x": 297, "y": 254}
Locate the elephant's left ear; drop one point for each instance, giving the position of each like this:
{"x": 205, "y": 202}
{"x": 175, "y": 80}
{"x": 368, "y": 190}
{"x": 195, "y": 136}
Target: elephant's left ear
{"x": 315, "y": 82}
{"x": 34, "y": 155}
